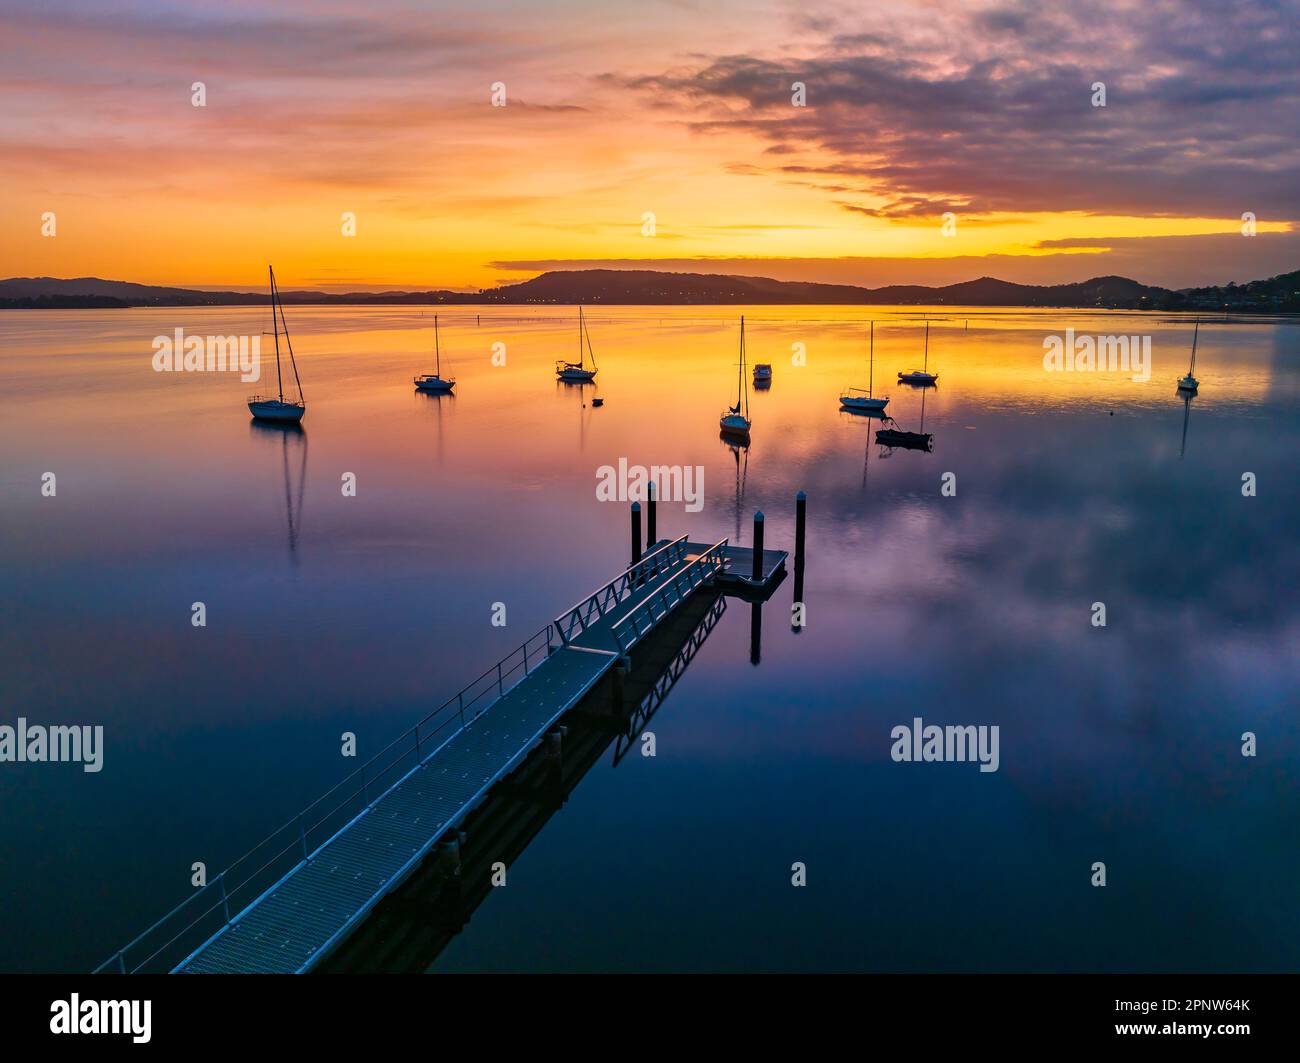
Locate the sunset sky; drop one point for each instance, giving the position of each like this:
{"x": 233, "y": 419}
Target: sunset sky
{"x": 680, "y": 108}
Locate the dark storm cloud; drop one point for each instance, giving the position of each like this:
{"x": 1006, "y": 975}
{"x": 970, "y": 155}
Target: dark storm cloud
{"x": 994, "y": 112}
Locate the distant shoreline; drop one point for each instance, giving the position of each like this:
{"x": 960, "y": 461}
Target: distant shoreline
{"x": 1276, "y": 295}
{"x": 1230, "y": 312}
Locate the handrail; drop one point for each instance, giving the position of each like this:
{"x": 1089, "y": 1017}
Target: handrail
{"x": 629, "y": 630}
{"x": 310, "y": 835}
{"x": 609, "y": 596}
{"x": 659, "y": 690}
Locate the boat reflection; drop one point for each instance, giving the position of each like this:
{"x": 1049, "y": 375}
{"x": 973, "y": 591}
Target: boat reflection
{"x": 1187, "y": 416}
{"x": 742, "y": 475}
{"x": 292, "y": 436}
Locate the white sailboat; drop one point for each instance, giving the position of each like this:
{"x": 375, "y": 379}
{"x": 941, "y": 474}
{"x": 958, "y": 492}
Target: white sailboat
{"x": 262, "y": 407}
{"x": 733, "y": 422}
{"x": 922, "y": 377}
{"x": 577, "y": 372}
{"x": 1189, "y": 382}
{"x": 856, "y": 398}
{"x": 435, "y": 381}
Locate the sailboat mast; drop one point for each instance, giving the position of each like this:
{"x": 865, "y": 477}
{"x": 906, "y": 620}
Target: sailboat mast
{"x": 926, "y": 367}
{"x": 586, "y": 332}
{"x": 275, "y": 291}
{"x": 1191, "y": 369}
{"x": 740, "y": 367}
{"x": 275, "y": 329}
{"x": 581, "y": 361}
{"x": 437, "y": 349}
{"x": 871, "y": 371}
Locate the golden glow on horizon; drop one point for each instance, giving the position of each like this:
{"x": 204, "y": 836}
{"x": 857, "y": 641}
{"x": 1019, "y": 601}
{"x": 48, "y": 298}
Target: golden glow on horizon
{"x": 148, "y": 188}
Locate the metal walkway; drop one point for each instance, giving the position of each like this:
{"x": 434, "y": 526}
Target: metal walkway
{"x": 302, "y": 890}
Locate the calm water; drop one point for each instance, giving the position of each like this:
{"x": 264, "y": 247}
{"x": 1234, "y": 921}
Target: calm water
{"x": 329, "y": 614}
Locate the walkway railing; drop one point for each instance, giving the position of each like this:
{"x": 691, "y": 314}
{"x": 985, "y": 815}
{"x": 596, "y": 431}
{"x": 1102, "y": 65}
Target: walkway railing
{"x": 633, "y": 627}
{"x": 649, "y": 705}
{"x": 206, "y": 911}
{"x": 594, "y": 607}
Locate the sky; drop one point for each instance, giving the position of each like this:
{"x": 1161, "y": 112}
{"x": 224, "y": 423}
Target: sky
{"x": 680, "y": 110}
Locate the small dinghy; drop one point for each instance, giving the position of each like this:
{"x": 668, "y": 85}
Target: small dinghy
{"x": 856, "y": 398}
{"x": 279, "y": 410}
{"x": 894, "y": 437}
{"x": 1189, "y": 383}
{"x": 435, "y": 382}
{"x": 921, "y": 377}
{"x": 762, "y": 375}
{"x": 577, "y": 372}
{"x": 733, "y": 422}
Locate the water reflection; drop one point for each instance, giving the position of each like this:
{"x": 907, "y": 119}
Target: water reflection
{"x": 441, "y": 403}
{"x": 740, "y": 456}
{"x": 410, "y": 929}
{"x": 1115, "y": 740}
{"x": 292, "y": 437}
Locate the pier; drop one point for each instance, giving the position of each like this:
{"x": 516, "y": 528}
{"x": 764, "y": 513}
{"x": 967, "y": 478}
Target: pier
{"x": 295, "y": 897}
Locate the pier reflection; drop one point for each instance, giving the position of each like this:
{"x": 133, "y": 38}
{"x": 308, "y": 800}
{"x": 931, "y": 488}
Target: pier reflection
{"x": 411, "y": 927}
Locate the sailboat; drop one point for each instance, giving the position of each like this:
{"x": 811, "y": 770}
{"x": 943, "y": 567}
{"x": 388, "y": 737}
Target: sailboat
{"x": 733, "y": 422}
{"x": 577, "y": 372}
{"x": 922, "y": 377}
{"x": 434, "y": 381}
{"x": 268, "y": 409}
{"x": 856, "y": 398}
{"x": 1189, "y": 382}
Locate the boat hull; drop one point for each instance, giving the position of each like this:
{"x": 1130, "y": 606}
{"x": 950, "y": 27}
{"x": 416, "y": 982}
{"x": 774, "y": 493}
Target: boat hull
{"x": 434, "y": 383}
{"x": 277, "y": 411}
{"x": 890, "y": 437}
{"x": 854, "y": 402}
{"x": 733, "y": 424}
{"x": 576, "y": 376}
{"x": 1188, "y": 383}
{"x": 918, "y": 378}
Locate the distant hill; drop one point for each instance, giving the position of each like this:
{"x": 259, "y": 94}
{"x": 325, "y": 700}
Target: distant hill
{"x": 40, "y": 292}
{"x": 649, "y": 286}
{"x": 652, "y": 287}
{"x": 1280, "y": 294}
